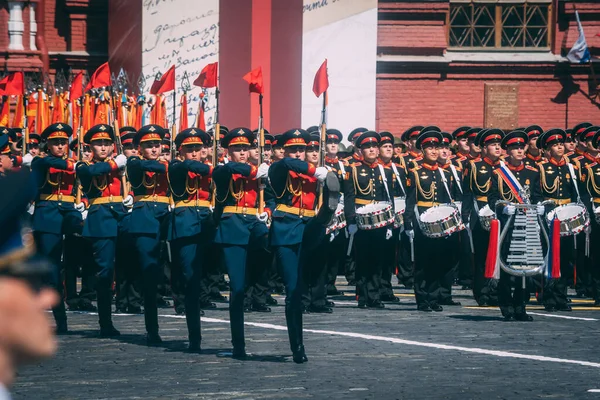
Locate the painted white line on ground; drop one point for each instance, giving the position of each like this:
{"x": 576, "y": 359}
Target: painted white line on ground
{"x": 562, "y": 316}
{"x": 594, "y": 390}
{"x": 476, "y": 350}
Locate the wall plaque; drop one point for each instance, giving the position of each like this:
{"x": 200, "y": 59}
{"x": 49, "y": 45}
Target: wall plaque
{"x": 501, "y": 105}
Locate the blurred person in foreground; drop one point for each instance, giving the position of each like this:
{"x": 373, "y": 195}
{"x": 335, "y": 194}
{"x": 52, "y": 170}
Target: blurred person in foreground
{"x": 26, "y": 334}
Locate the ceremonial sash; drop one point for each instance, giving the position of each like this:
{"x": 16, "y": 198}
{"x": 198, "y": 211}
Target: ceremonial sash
{"x": 509, "y": 178}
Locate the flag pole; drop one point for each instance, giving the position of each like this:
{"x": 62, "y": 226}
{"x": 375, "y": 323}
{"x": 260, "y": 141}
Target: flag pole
{"x": 323, "y": 143}
{"x": 261, "y": 149}
{"x": 215, "y": 143}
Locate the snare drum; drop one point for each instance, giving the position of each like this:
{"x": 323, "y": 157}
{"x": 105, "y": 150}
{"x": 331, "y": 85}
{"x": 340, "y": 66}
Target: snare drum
{"x": 486, "y": 215}
{"x": 338, "y": 221}
{"x": 400, "y": 206}
{"x": 375, "y": 215}
{"x": 573, "y": 218}
{"x": 441, "y": 221}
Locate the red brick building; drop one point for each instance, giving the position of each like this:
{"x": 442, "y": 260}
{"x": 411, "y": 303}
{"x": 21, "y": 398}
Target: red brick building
{"x": 435, "y": 57}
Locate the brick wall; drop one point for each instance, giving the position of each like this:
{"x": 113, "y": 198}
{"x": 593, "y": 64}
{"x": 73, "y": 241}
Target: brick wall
{"x": 420, "y": 92}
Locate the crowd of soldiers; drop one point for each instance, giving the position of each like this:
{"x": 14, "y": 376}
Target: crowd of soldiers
{"x": 141, "y": 221}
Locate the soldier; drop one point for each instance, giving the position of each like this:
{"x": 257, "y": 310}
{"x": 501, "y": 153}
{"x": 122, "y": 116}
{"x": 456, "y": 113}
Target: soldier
{"x": 578, "y": 129}
{"x": 368, "y": 182}
{"x": 190, "y": 232}
{"x": 398, "y": 149}
{"x": 391, "y": 247}
{"x": 296, "y": 231}
{"x": 101, "y": 182}
{"x": 56, "y": 213}
{"x": 352, "y": 136}
{"x": 128, "y": 271}
{"x": 559, "y": 184}
{"x": 430, "y": 186}
{"x": 514, "y": 170}
{"x": 462, "y": 144}
{"x": 278, "y": 153}
{"x": 570, "y": 144}
{"x": 474, "y": 151}
{"x": 148, "y": 178}
{"x": 412, "y": 153}
{"x": 339, "y": 245}
{"x": 6, "y": 160}
{"x": 591, "y": 184}
{"x": 242, "y": 230}
{"x": 477, "y": 182}
{"x": 583, "y": 264}
{"x": 534, "y": 154}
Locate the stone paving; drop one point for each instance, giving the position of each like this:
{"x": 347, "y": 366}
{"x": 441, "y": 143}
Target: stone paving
{"x": 395, "y": 353}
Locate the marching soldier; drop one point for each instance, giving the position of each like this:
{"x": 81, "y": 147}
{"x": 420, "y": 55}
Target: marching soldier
{"x": 570, "y": 144}
{"x": 148, "y": 178}
{"x": 430, "y": 186}
{"x": 296, "y": 228}
{"x": 534, "y": 154}
{"x": 242, "y": 230}
{"x": 559, "y": 182}
{"x": 352, "y": 136}
{"x": 412, "y": 153}
{"x": 386, "y": 152}
{"x": 190, "y": 232}
{"x": 578, "y": 129}
{"x": 56, "y": 213}
{"x": 502, "y": 187}
{"x": 591, "y": 184}
{"x": 277, "y": 149}
{"x": 368, "y": 182}
{"x": 462, "y": 144}
{"x": 477, "y": 183}
{"x": 474, "y": 150}
{"x": 101, "y": 182}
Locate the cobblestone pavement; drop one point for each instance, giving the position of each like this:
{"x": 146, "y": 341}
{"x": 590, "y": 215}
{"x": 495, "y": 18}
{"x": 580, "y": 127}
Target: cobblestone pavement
{"x": 465, "y": 352}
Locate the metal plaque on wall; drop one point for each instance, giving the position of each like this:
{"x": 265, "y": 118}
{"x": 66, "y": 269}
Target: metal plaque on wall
{"x": 501, "y": 105}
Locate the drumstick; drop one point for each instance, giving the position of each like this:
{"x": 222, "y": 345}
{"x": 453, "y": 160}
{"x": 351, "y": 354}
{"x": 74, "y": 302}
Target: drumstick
{"x": 350, "y": 245}
{"x": 412, "y": 249}
{"x": 470, "y": 233}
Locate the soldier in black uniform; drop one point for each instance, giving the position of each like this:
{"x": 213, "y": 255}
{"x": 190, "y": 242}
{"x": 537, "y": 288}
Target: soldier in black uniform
{"x": 462, "y": 145}
{"x": 534, "y": 154}
{"x": 591, "y": 187}
{"x": 430, "y": 186}
{"x": 366, "y": 184}
{"x": 558, "y": 182}
{"x": 476, "y": 185}
{"x": 512, "y": 305}
{"x": 474, "y": 150}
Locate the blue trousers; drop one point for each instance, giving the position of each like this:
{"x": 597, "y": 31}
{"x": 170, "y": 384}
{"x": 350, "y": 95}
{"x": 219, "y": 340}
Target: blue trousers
{"x": 235, "y": 262}
{"x": 148, "y": 248}
{"x": 51, "y": 246}
{"x": 104, "y": 260}
{"x": 188, "y": 256}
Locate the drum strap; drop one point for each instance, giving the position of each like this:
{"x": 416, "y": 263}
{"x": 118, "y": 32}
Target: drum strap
{"x": 384, "y": 179}
{"x": 440, "y": 170}
{"x": 398, "y": 178}
{"x": 572, "y": 171}
{"x": 341, "y": 164}
{"x": 456, "y": 177}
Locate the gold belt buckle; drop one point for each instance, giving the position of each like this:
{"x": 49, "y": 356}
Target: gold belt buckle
{"x": 110, "y": 198}
{"x": 244, "y": 210}
{"x": 301, "y": 213}
{"x": 60, "y": 196}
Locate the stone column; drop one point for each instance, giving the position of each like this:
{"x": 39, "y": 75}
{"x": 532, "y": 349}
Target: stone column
{"x": 15, "y": 25}
{"x": 32, "y": 26}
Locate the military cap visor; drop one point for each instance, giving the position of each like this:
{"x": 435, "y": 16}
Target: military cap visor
{"x": 99, "y": 132}
{"x": 551, "y": 137}
{"x": 368, "y": 138}
{"x": 57, "y": 131}
{"x": 294, "y": 137}
{"x": 514, "y": 138}
{"x": 471, "y": 134}
{"x": 355, "y": 133}
{"x": 429, "y": 139}
{"x": 579, "y": 128}
{"x": 588, "y": 133}
{"x": 192, "y": 136}
{"x": 460, "y": 133}
{"x": 596, "y": 139}
{"x": 489, "y": 136}
{"x": 149, "y": 133}
{"x": 385, "y": 138}
{"x": 533, "y": 131}
{"x": 238, "y": 136}
{"x": 314, "y": 141}
{"x": 334, "y": 136}
{"x": 446, "y": 139}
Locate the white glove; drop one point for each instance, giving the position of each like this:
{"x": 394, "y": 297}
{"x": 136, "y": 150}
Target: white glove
{"x": 121, "y": 161}
{"x": 80, "y": 207}
{"x": 410, "y": 234}
{"x": 388, "y": 234}
{"x": 263, "y": 171}
{"x": 468, "y": 226}
{"x": 263, "y": 217}
{"x": 27, "y": 158}
{"x": 84, "y": 214}
{"x": 352, "y": 229}
{"x": 332, "y": 236}
{"x": 541, "y": 209}
{"x": 321, "y": 173}
{"x": 509, "y": 210}
{"x": 128, "y": 201}
{"x": 31, "y": 208}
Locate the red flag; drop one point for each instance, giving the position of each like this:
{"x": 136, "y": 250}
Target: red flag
{"x": 183, "y": 113}
{"x": 76, "y": 87}
{"x": 208, "y": 76}
{"x": 100, "y": 78}
{"x": 255, "y": 80}
{"x": 13, "y": 84}
{"x": 166, "y": 83}
{"x": 19, "y": 120}
{"x": 5, "y": 112}
{"x": 200, "y": 123}
{"x": 321, "y": 82}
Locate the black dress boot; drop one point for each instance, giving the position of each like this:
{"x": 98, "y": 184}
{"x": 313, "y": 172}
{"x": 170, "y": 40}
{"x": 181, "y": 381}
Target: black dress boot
{"x": 107, "y": 329}
{"x": 299, "y": 355}
{"x": 60, "y": 316}
{"x": 291, "y": 327}
{"x": 192, "y": 319}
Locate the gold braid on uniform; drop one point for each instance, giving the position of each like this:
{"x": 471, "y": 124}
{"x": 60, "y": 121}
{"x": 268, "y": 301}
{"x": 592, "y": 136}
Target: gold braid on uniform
{"x": 236, "y": 195}
{"x": 590, "y": 179}
{"x": 427, "y": 195}
{"x": 548, "y": 189}
{"x": 508, "y": 196}
{"x": 364, "y": 192}
{"x": 482, "y": 188}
